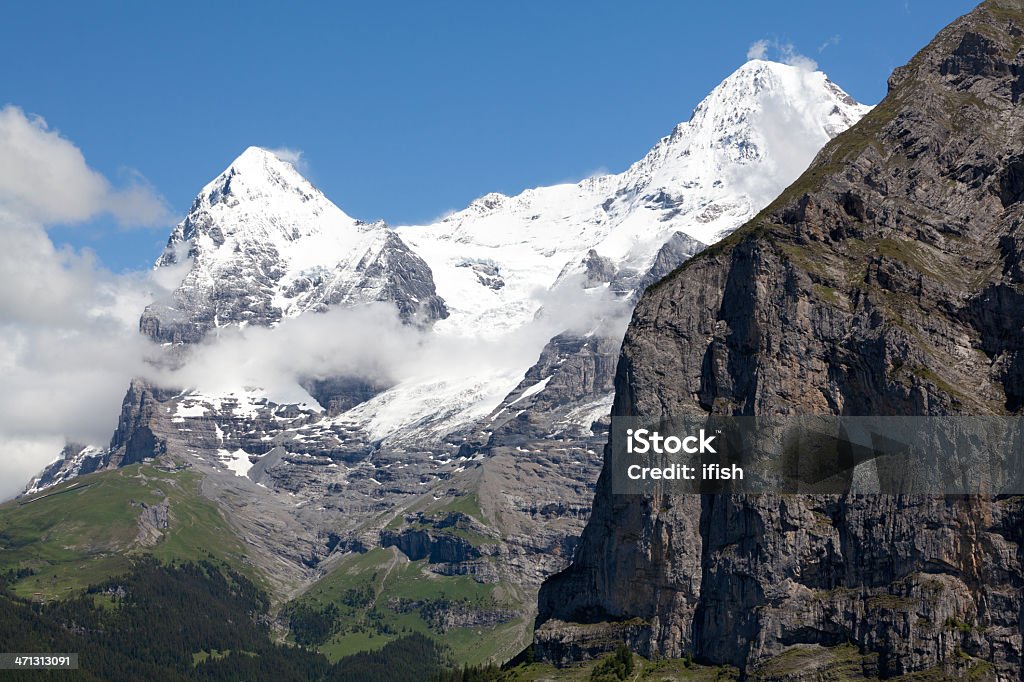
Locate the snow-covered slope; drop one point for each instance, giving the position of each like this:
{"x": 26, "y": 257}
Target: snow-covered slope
{"x": 746, "y": 141}
{"x": 586, "y": 250}
{"x": 510, "y": 273}
{"x": 261, "y": 244}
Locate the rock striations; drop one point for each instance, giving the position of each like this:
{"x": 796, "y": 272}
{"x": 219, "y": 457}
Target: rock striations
{"x": 887, "y": 280}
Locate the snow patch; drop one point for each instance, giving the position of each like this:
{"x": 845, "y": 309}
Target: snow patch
{"x": 237, "y": 461}
{"x": 532, "y": 390}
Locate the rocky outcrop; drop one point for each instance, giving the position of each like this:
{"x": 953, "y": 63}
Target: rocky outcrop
{"x": 339, "y": 394}
{"x": 885, "y": 281}
{"x": 136, "y": 438}
{"x": 558, "y": 395}
{"x": 444, "y": 614}
{"x": 74, "y": 460}
{"x": 436, "y": 548}
{"x": 676, "y": 251}
{"x": 154, "y": 519}
{"x": 250, "y": 289}
{"x": 565, "y": 643}
{"x": 140, "y": 435}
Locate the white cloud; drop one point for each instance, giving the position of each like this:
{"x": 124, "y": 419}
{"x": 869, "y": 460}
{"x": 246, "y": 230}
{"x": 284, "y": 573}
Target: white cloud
{"x": 370, "y": 342}
{"x": 598, "y": 172}
{"x": 69, "y": 344}
{"x": 783, "y": 52}
{"x": 44, "y": 178}
{"x": 440, "y": 217}
{"x": 758, "y": 49}
{"x": 69, "y": 340}
{"x": 295, "y": 157}
{"x": 23, "y": 459}
{"x": 834, "y": 40}
{"x": 367, "y": 341}
{"x": 800, "y": 61}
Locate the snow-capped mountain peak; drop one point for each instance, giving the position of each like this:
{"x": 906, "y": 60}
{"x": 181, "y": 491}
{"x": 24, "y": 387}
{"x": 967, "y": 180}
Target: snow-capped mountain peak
{"x": 538, "y": 285}
{"x": 745, "y": 142}
{"x": 261, "y": 244}
{"x": 264, "y": 196}
{"x": 735, "y": 111}
{"x": 507, "y": 273}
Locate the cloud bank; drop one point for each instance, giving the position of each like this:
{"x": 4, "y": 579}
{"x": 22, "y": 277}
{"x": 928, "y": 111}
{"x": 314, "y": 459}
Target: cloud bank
{"x": 44, "y": 179}
{"x": 68, "y": 327}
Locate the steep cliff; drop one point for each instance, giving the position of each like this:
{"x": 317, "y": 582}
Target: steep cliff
{"x": 887, "y": 280}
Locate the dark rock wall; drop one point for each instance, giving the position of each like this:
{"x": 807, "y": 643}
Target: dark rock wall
{"x": 885, "y": 281}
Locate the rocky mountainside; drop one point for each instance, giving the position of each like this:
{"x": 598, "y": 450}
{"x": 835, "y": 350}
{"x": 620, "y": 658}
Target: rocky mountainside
{"x": 887, "y": 280}
{"x": 479, "y": 463}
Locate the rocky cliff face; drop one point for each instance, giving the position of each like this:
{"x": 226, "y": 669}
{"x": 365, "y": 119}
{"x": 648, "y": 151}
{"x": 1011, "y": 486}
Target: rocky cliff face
{"x": 887, "y": 280}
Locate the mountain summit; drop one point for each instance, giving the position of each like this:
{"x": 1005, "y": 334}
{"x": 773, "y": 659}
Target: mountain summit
{"x": 265, "y": 196}
{"x": 261, "y": 243}
{"x": 745, "y": 142}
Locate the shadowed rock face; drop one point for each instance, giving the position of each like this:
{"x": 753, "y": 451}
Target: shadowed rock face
{"x": 886, "y": 281}
{"x": 138, "y": 434}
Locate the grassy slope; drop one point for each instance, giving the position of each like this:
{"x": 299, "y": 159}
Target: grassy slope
{"x": 839, "y": 664}
{"x": 86, "y": 531}
{"x": 392, "y": 577}
{"x": 668, "y": 670}
{"x": 82, "y": 532}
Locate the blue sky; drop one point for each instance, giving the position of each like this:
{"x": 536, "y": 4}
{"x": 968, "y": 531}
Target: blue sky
{"x": 405, "y": 110}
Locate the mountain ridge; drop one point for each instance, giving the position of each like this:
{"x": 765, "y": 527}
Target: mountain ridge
{"x": 684, "y": 183}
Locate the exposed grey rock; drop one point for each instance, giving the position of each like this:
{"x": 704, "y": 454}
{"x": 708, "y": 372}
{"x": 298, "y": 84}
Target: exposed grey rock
{"x": 135, "y": 438}
{"x": 340, "y": 394}
{"x": 487, "y": 273}
{"x": 435, "y": 548}
{"x": 598, "y": 269}
{"x": 74, "y": 460}
{"x": 444, "y": 615}
{"x": 154, "y": 519}
{"x": 885, "y": 281}
{"x": 676, "y": 251}
{"x": 566, "y": 643}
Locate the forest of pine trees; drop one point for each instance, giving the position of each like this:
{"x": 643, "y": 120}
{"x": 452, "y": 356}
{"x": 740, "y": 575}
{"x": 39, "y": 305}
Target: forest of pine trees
{"x": 192, "y": 621}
